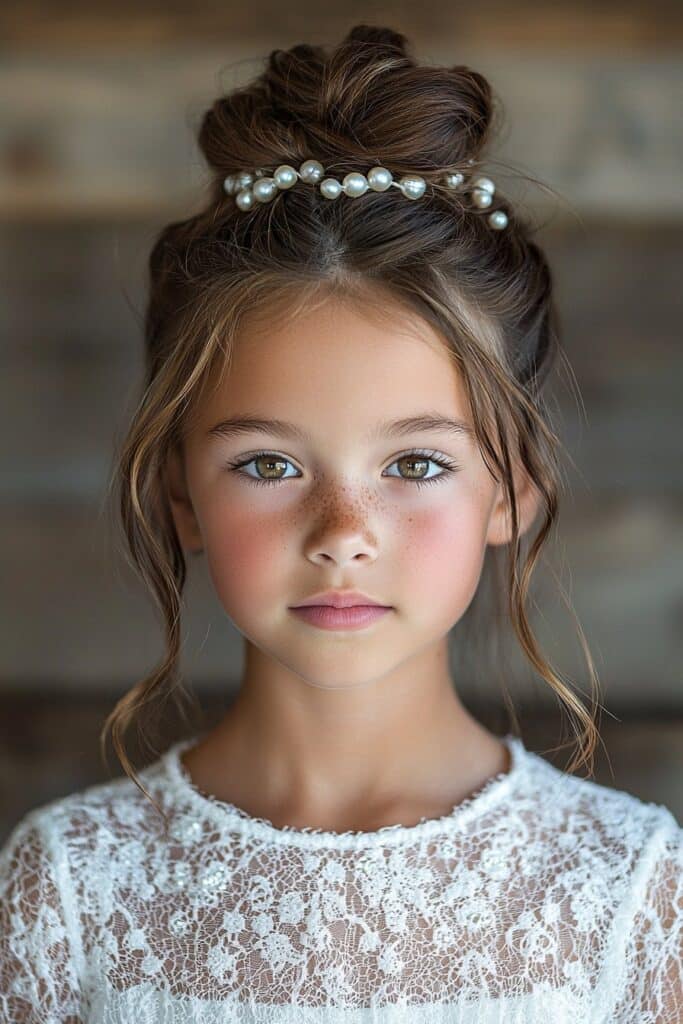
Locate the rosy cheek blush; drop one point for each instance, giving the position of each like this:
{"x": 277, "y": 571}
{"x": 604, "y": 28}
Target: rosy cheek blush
{"x": 441, "y": 551}
{"x": 244, "y": 555}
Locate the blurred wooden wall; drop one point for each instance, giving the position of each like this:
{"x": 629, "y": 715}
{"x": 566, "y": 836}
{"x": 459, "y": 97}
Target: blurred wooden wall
{"x": 98, "y": 110}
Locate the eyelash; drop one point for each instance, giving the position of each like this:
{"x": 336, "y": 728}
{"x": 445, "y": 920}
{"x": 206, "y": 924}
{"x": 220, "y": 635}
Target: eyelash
{"x": 447, "y": 464}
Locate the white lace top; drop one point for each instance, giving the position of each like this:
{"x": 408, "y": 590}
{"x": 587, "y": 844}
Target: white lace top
{"x": 544, "y": 898}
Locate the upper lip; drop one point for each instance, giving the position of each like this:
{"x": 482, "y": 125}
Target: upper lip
{"x": 340, "y": 599}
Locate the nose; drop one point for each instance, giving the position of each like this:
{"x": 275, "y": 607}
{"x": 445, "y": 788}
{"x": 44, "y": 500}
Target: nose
{"x": 341, "y": 546}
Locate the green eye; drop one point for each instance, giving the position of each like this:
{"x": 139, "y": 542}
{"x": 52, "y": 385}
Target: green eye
{"x": 419, "y": 458}
{"x": 273, "y": 460}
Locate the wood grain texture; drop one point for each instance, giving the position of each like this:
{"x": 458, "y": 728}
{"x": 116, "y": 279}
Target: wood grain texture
{"x": 611, "y": 25}
{"x": 112, "y": 134}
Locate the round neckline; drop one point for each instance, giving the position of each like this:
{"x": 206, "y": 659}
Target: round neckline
{"x": 178, "y": 784}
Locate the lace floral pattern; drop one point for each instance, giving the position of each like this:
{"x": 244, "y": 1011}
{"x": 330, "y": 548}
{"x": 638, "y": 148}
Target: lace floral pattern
{"x": 541, "y": 897}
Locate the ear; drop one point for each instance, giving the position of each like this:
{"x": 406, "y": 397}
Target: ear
{"x": 528, "y": 502}
{"x": 184, "y": 517}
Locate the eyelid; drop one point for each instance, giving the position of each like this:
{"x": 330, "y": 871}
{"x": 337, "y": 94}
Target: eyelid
{"x": 431, "y": 453}
{"x": 281, "y": 455}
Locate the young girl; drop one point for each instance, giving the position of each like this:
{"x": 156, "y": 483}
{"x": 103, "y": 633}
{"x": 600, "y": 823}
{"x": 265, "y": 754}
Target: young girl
{"x": 343, "y": 414}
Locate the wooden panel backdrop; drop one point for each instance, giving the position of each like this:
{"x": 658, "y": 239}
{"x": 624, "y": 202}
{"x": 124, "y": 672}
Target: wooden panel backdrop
{"x": 98, "y": 109}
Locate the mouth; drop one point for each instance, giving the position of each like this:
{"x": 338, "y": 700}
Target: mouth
{"x": 341, "y": 599}
{"x": 326, "y": 616}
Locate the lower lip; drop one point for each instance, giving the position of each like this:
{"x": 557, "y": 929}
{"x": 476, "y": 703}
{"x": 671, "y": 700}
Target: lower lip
{"x": 327, "y": 617}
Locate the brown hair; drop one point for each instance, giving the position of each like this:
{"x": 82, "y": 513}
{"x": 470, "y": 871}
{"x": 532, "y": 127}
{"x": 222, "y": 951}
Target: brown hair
{"x": 488, "y": 293}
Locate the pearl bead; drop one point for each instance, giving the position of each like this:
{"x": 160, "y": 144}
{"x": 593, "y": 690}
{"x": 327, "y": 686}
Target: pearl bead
{"x": 355, "y": 184}
{"x": 379, "y": 179}
{"x": 481, "y": 198}
{"x": 285, "y": 176}
{"x": 311, "y": 171}
{"x": 485, "y": 184}
{"x": 413, "y": 186}
{"x": 249, "y": 188}
{"x": 331, "y": 188}
{"x": 455, "y": 179}
{"x": 264, "y": 189}
{"x": 244, "y": 199}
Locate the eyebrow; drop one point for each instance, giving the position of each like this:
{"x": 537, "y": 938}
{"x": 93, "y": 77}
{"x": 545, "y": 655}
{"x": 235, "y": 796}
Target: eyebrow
{"x": 430, "y": 421}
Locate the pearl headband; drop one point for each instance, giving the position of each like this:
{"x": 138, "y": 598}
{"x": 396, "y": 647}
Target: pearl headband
{"x": 249, "y": 188}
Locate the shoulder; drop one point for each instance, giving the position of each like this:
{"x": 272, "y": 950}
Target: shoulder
{"x": 604, "y": 866}
{"x": 603, "y": 829}
{"x": 619, "y": 861}
{"x": 58, "y": 870}
{"x": 100, "y": 817}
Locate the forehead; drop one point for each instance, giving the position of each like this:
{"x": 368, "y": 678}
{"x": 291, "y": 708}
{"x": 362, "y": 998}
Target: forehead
{"x": 335, "y": 366}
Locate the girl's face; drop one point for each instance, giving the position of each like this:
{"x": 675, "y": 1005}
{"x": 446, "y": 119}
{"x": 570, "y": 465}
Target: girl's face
{"x": 344, "y": 510}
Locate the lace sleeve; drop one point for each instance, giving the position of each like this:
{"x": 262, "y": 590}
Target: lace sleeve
{"x": 652, "y": 992}
{"x": 38, "y": 976}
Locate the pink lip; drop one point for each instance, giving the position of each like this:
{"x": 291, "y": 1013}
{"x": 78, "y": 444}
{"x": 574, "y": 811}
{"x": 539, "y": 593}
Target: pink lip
{"x": 340, "y": 599}
{"x": 327, "y": 617}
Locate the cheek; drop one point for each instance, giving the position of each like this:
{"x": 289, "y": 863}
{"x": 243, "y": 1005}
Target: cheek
{"x": 443, "y": 549}
{"x": 243, "y": 553}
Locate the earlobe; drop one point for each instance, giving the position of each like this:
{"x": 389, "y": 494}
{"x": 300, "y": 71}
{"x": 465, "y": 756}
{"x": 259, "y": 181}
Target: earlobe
{"x": 182, "y": 510}
{"x": 528, "y": 502}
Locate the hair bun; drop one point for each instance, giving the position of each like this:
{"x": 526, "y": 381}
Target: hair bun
{"x": 366, "y": 101}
